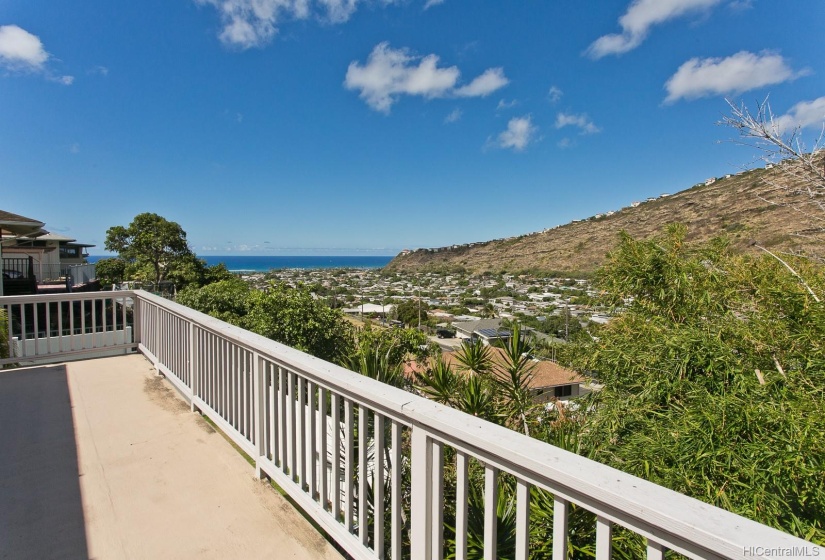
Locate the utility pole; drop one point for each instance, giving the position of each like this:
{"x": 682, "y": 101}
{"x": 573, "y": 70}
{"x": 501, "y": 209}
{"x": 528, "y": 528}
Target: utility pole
{"x": 566, "y": 322}
{"x": 419, "y": 307}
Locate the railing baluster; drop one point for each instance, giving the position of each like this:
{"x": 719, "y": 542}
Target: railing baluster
{"x": 283, "y": 443}
{"x": 349, "y": 465}
{"x": 323, "y": 463}
{"x": 560, "y": 510}
{"x": 604, "y": 535}
{"x": 438, "y": 499}
{"x": 378, "y": 478}
{"x": 48, "y": 327}
{"x": 335, "y": 497}
{"x": 94, "y": 322}
{"x": 60, "y": 326}
{"x": 246, "y": 405}
{"x": 291, "y": 434}
{"x": 422, "y": 485}
{"x": 36, "y": 329}
{"x": 490, "y": 513}
{"x": 272, "y": 376}
{"x": 300, "y": 432}
{"x": 363, "y": 529}
{"x": 395, "y": 481}
{"x": 462, "y": 463}
{"x": 311, "y": 447}
{"x": 23, "y": 341}
{"x": 522, "y": 519}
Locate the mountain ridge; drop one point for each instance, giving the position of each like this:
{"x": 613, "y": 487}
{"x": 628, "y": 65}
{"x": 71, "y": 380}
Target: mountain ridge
{"x": 754, "y": 208}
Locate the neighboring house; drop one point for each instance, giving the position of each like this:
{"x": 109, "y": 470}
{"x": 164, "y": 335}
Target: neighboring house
{"x": 53, "y": 254}
{"x": 31, "y": 253}
{"x": 485, "y": 329}
{"x": 550, "y": 381}
{"x": 370, "y": 309}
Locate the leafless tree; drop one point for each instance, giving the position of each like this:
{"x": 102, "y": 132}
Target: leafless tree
{"x": 799, "y": 180}
{"x": 800, "y": 184}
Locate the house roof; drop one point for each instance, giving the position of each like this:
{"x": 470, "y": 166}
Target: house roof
{"x": 545, "y": 373}
{"x": 16, "y": 225}
{"x": 470, "y": 327}
{"x": 54, "y": 237}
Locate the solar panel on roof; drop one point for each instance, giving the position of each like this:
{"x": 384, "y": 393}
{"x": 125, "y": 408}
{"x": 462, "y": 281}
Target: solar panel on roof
{"x": 493, "y": 333}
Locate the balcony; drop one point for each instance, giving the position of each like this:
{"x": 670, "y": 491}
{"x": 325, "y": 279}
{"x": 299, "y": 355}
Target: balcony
{"x": 107, "y": 461}
{"x": 25, "y": 275}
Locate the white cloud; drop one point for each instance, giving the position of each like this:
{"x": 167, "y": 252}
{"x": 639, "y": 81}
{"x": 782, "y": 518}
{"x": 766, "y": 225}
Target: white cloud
{"x": 491, "y": 80}
{"x": 431, "y": 3}
{"x": 102, "y": 70}
{"x": 554, "y": 95}
{"x": 253, "y": 23}
{"x": 454, "y": 116}
{"x": 389, "y": 73}
{"x": 20, "y": 50}
{"x": 339, "y": 11}
{"x": 502, "y": 104}
{"x": 520, "y": 132}
{"x": 641, "y": 15}
{"x": 24, "y": 52}
{"x": 582, "y": 122}
{"x": 738, "y": 73}
{"x": 804, "y": 114}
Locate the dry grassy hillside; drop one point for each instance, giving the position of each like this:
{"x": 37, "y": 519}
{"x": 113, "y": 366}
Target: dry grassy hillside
{"x": 738, "y": 207}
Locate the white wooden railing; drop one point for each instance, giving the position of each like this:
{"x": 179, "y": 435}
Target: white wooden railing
{"x": 367, "y": 461}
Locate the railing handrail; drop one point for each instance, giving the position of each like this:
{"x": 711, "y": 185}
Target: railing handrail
{"x": 647, "y": 508}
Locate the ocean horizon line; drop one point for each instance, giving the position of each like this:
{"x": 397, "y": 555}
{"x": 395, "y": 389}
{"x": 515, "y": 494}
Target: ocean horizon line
{"x": 265, "y": 263}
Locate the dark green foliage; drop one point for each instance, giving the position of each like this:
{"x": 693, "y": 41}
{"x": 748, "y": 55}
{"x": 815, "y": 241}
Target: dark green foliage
{"x": 408, "y": 312}
{"x": 288, "y": 315}
{"x": 714, "y": 379}
{"x": 110, "y": 271}
{"x": 154, "y": 248}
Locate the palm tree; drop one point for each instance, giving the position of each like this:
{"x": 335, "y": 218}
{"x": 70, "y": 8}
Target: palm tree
{"x": 475, "y": 358}
{"x": 513, "y": 379}
{"x": 440, "y": 383}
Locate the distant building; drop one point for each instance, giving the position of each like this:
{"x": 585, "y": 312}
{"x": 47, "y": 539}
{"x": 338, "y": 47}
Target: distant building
{"x": 710, "y": 181}
{"x": 549, "y": 380}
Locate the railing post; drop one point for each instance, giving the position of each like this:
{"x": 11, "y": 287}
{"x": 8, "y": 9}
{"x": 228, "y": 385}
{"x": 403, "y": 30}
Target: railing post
{"x": 136, "y": 312}
{"x": 422, "y": 495}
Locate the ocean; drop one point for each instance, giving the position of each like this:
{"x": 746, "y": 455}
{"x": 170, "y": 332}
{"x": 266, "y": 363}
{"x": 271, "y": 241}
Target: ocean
{"x": 237, "y": 263}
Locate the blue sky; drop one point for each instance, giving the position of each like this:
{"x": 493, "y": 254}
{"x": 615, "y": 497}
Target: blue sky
{"x": 352, "y": 126}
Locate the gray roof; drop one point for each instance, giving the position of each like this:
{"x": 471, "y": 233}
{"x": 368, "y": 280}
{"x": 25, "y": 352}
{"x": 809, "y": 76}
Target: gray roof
{"x": 469, "y": 327}
{"x": 15, "y": 224}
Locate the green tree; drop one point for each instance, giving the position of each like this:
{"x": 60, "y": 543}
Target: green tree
{"x": 713, "y": 378}
{"x": 110, "y": 271}
{"x": 227, "y": 300}
{"x": 293, "y": 317}
{"x": 287, "y": 315}
{"x": 152, "y": 247}
{"x": 408, "y": 312}
{"x": 512, "y": 379}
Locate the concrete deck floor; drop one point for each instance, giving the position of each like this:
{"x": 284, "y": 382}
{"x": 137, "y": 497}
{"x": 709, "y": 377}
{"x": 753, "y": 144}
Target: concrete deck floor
{"x": 103, "y": 459}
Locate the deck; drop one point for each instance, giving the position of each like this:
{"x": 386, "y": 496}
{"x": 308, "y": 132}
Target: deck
{"x": 103, "y": 459}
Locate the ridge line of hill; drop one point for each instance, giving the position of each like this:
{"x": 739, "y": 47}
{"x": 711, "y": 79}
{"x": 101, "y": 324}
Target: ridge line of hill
{"x": 751, "y": 207}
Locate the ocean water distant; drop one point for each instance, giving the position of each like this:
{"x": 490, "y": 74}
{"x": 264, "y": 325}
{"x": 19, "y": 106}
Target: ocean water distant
{"x": 237, "y": 263}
